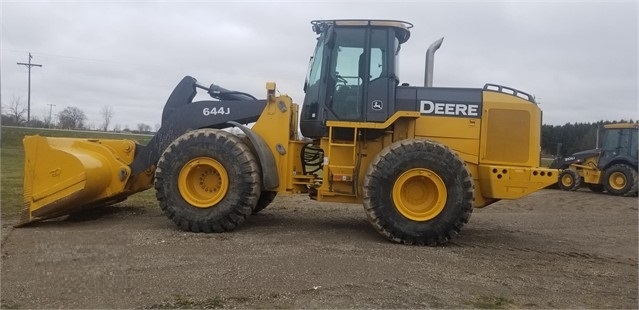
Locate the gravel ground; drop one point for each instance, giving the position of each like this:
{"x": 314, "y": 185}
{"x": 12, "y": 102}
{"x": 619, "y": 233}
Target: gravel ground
{"x": 552, "y": 249}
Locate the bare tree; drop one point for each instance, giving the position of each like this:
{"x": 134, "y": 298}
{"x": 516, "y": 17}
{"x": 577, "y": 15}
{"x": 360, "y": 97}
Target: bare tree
{"x": 71, "y": 118}
{"x": 107, "y": 115}
{"x": 16, "y": 110}
{"x": 142, "y": 127}
{"x": 36, "y": 122}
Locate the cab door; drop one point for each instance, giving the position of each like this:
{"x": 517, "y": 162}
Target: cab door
{"x": 361, "y": 78}
{"x": 345, "y": 87}
{"x": 378, "y": 102}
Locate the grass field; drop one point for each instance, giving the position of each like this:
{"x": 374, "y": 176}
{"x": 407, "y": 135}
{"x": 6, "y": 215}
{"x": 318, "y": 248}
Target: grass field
{"x": 12, "y": 162}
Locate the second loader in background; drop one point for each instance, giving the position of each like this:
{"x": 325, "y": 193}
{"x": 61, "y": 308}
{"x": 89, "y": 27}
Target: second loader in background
{"x": 419, "y": 158}
{"x": 610, "y": 167}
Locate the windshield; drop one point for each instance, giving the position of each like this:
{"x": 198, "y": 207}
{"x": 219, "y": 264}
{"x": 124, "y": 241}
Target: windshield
{"x": 315, "y": 65}
{"x": 611, "y": 139}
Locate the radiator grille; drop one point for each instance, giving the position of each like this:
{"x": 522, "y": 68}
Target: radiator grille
{"x": 508, "y": 136}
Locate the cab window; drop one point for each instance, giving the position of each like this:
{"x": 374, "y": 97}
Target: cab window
{"x": 345, "y": 82}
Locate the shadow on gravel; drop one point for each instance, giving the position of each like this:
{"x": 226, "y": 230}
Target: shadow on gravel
{"x": 89, "y": 215}
{"x": 101, "y": 212}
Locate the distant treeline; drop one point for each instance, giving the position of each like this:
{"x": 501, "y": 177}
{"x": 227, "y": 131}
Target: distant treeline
{"x": 573, "y": 137}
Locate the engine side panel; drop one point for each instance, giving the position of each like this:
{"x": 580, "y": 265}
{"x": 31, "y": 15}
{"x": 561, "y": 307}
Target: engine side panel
{"x": 510, "y": 131}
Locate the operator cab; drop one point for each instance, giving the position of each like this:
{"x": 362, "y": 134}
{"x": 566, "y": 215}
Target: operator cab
{"x": 619, "y": 142}
{"x": 352, "y": 75}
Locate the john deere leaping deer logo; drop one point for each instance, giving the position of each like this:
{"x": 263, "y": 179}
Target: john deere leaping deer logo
{"x": 377, "y": 105}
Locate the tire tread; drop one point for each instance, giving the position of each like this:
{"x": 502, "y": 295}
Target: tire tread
{"x": 379, "y": 214}
{"x": 631, "y": 175}
{"x": 240, "y": 198}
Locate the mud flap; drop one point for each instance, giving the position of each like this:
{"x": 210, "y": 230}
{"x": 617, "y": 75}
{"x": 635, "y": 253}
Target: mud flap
{"x": 270, "y": 177}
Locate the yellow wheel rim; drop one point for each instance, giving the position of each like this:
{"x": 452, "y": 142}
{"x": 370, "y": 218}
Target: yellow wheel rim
{"x": 203, "y": 182}
{"x": 617, "y": 180}
{"x": 419, "y": 194}
{"x": 566, "y": 180}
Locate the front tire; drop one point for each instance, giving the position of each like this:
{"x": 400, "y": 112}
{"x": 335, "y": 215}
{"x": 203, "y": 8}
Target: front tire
{"x": 569, "y": 180}
{"x": 620, "y": 180}
{"x": 418, "y": 192}
{"x": 207, "y": 180}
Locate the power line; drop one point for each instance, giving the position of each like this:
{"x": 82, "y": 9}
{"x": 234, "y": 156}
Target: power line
{"x": 70, "y": 57}
{"x": 29, "y": 65}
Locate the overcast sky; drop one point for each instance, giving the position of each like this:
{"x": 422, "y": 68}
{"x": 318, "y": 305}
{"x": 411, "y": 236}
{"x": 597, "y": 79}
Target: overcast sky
{"x": 579, "y": 58}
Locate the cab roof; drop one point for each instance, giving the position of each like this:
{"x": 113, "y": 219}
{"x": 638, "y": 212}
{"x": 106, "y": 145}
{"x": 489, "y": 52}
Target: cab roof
{"x": 621, "y": 125}
{"x": 403, "y": 34}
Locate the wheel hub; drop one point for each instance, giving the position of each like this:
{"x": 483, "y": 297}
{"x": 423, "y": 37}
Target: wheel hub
{"x": 617, "y": 180}
{"x": 419, "y": 194}
{"x": 566, "y": 180}
{"x": 203, "y": 182}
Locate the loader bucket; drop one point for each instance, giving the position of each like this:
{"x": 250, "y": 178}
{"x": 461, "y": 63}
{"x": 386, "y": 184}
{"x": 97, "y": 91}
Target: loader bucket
{"x": 65, "y": 175}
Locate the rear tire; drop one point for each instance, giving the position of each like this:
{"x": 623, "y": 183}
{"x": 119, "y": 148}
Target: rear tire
{"x": 620, "y": 180}
{"x": 418, "y": 192}
{"x": 569, "y": 180}
{"x": 207, "y": 180}
{"x": 265, "y": 199}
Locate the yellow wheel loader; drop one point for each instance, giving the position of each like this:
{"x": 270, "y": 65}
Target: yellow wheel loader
{"x": 611, "y": 166}
{"x": 419, "y": 158}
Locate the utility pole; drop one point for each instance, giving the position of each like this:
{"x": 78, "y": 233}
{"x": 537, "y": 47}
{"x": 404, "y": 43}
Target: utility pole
{"x": 51, "y": 105}
{"x": 29, "y": 65}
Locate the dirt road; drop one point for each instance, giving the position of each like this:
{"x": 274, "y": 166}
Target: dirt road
{"x": 552, "y": 249}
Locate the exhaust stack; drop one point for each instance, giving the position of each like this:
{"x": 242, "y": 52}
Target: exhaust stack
{"x": 430, "y": 62}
